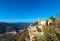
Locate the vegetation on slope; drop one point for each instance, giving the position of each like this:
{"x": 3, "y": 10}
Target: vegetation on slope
{"x": 23, "y": 36}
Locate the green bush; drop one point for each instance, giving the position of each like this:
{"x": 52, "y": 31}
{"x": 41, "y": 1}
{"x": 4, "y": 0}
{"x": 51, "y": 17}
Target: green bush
{"x": 35, "y": 23}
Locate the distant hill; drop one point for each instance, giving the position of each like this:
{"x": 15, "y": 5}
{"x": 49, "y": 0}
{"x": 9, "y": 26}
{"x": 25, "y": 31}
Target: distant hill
{"x": 8, "y": 27}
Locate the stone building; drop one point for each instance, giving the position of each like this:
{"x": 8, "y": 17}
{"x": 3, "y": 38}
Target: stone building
{"x": 43, "y": 22}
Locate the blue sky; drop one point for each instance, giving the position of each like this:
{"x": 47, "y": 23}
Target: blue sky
{"x": 27, "y": 10}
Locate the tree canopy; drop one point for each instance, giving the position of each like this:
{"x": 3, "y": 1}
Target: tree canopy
{"x": 51, "y": 17}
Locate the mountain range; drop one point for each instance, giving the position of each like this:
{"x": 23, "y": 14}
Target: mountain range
{"x": 9, "y": 27}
